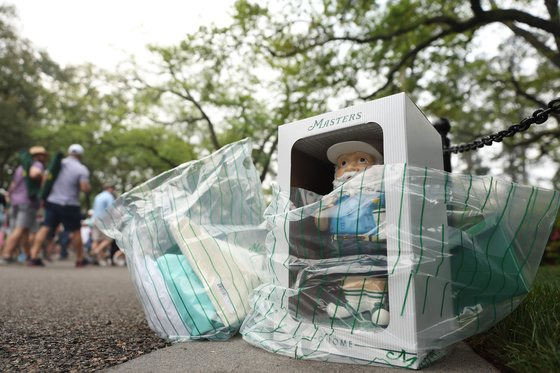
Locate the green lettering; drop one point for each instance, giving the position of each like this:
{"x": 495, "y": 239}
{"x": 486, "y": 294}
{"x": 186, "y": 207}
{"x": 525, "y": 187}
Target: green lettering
{"x": 316, "y": 124}
{"x": 322, "y": 123}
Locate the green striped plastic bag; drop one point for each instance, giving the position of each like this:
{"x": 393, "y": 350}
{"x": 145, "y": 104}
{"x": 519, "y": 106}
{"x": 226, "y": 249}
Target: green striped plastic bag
{"x": 194, "y": 243}
{"x": 396, "y": 265}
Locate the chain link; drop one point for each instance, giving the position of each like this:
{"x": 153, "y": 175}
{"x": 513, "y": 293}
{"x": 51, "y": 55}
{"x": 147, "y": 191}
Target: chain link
{"x": 539, "y": 117}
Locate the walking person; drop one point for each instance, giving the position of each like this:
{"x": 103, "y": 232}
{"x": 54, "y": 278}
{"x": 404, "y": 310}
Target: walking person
{"x": 63, "y": 204}
{"x": 24, "y": 202}
{"x": 100, "y": 241}
{"x": 3, "y": 218}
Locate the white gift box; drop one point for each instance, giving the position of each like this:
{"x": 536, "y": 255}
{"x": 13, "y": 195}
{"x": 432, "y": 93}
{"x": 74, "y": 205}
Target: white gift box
{"x": 401, "y": 132}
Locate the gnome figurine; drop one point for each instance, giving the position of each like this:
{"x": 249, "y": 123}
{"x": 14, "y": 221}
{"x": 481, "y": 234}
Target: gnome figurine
{"x": 355, "y": 221}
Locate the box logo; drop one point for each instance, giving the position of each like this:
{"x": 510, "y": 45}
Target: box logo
{"x": 340, "y": 342}
{"x": 322, "y": 123}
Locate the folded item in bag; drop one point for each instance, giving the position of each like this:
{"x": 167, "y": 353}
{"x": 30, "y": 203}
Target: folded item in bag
{"x": 190, "y": 298}
{"x": 158, "y": 305}
{"x": 227, "y": 272}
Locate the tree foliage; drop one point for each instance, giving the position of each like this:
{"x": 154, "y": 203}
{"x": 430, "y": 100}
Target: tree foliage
{"x": 215, "y": 87}
{"x": 41, "y": 103}
{"x": 21, "y": 94}
{"x": 95, "y": 109}
{"x": 278, "y": 62}
{"x": 440, "y": 52}
{"x": 483, "y": 65}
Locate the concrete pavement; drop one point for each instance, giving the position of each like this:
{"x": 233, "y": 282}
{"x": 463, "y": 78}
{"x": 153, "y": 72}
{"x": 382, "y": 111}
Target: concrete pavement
{"x": 236, "y": 355}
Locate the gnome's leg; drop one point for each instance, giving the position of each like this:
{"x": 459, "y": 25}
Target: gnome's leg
{"x": 366, "y": 293}
{"x": 363, "y": 294}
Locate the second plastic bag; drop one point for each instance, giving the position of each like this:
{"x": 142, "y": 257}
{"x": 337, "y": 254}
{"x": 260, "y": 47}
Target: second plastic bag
{"x": 193, "y": 239}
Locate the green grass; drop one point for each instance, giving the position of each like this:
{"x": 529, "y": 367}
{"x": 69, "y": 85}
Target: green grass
{"x": 529, "y": 339}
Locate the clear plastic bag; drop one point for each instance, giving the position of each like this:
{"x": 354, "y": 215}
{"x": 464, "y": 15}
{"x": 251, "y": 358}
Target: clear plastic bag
{"x": 194, "y": 244}
{"x": 396, "y": 264}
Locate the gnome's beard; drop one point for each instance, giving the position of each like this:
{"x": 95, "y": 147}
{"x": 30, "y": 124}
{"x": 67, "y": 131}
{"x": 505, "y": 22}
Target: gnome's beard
{"x": 343, "y": 178}
{"x": 370, "y": 181}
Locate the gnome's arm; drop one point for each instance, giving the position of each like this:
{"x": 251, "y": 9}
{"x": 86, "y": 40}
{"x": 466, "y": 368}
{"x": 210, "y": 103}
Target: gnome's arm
{"x": 324, "y": 212}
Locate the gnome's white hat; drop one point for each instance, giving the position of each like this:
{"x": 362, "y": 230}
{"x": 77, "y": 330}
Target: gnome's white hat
{"x": 346, "y": 147}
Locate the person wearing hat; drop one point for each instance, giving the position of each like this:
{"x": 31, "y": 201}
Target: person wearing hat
{"x": 24, "y": 205}
{"x": 355, "y": 220}
{"x": 63, "y": 204}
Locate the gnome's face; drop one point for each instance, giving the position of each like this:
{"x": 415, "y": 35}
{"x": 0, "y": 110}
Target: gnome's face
{"x": 349, "y": 164}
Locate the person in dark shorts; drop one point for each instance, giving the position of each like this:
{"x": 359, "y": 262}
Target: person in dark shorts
{"x": 63, "y": 204}
{"x": 3, "y": 217}
{"x": 24, "y": 205}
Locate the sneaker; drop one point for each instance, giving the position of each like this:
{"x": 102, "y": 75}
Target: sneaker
{"x": 6, "y": 261}
{"x": 21, "y": 258}
{"x": 103, "y": 263}
{"x": 82, "y": 263}
{"x": 36, "y": 263}
{"x": 120, "y": 262}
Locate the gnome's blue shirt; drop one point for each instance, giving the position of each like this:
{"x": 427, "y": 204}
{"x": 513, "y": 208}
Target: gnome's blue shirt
{"x": 356, "y": 214}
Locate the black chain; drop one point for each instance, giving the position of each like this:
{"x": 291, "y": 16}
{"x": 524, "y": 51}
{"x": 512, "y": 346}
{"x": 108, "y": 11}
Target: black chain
{"x": 539, "y": 117}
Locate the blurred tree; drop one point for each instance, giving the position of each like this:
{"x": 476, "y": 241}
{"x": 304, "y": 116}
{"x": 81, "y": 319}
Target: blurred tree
{"x": 22, "y": 94}
{"x": 215, "y": 87}
{"x": 40, "y": 103}
{"x": 446, "y": 54}
{"x": 94, "y": 108}
{"x": 276, "y": 63}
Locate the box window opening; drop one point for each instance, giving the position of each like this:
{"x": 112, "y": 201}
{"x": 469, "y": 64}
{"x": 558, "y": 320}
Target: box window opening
{"x": 344, "y": 300}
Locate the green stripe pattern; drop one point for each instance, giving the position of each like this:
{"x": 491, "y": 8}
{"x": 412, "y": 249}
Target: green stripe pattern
{"x": 388, "y": 269}
{"x": 458, "y": 254}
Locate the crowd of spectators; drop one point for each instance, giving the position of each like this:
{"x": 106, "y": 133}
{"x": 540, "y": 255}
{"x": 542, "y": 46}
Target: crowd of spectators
{"x": 41, "y": 217}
